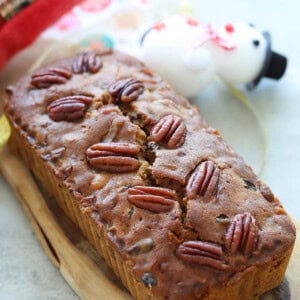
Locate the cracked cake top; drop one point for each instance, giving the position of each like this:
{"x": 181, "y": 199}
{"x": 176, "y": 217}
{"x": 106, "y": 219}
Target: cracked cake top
{"x": 184, "y": 210}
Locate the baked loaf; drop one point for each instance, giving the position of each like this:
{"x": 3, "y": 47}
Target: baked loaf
{"x": 168, "y": 204}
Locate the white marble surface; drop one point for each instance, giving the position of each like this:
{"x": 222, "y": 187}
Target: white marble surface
{"x": 25, "y": 270}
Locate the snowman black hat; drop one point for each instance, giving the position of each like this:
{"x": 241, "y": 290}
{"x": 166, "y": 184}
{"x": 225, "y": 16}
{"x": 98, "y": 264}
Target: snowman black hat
{"x": 274, "y": 64}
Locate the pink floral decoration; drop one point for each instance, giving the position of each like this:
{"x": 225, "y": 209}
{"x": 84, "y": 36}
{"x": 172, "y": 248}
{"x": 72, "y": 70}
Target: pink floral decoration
{"x": 68, "y": 21}
{"x": 94, "y": 5}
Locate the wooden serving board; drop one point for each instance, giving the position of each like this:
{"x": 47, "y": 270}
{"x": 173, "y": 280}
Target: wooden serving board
{"x": 90, "y": 277}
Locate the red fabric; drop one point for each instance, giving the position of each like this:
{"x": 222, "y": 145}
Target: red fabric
{"x": 2, "y": 21}
{"x": 25, "y": 27}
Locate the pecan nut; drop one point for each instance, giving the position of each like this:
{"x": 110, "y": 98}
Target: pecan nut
{"x": 87, "y": 62}
{"x": 114, "y": 157}
{"x": 242, "y": 234}
{"x": 204, "y": 180}
{"x": 69, "y": 108}
{"x": 202, "y": 253}
{"x": 45, "y": 78}
{"x": 126, "y": 90}
{"x": 170, "y": 130}
{"x": 156, "y": 199}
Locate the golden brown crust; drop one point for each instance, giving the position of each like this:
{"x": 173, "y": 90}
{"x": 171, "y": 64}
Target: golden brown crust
{"x": 202, "y": 228}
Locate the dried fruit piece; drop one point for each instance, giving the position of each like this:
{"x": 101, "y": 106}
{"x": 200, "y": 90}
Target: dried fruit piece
{"x": 114, "y": 157}
{"x": 45, "y": 78}
{"x": 87, "y": 203}
{"x": 156, "y": 199}
{"x": 149, "y": 279}
{"x": 202, "y": 253}
{"x": 249, "y": 185}
{"x": 266, "y": 192}
{"x": 142, "y": 246}
{"x": 126, "y": 90}
{"x": 204, "y": 180}
{"x": 63, "y": 173}
{"x": 87, "y": 62}
{"x": 54, "y": 154}
{"x": 10, "y": 89}
{"x": 223, "y": 219}
{"x": 242, "y": 234}
{"x": 280, "y": 210}
{"x": 130, "y": 212}
{"x": 69, "y": 108}
{"x": 170, "y": 130}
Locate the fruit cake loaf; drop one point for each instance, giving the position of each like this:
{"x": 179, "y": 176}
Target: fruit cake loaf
{"x": 171, "y": 207}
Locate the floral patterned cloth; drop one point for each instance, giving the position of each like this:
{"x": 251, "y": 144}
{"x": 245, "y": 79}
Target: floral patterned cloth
{"x": 96, "y": 24}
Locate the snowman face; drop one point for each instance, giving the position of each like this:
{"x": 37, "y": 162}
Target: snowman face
{"x": 169, "y": 49}
{"x": 245, "y": 61}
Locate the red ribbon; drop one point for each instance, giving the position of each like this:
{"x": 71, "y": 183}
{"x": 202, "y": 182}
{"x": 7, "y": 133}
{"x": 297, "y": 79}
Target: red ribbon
{"x": 26, "y": 26}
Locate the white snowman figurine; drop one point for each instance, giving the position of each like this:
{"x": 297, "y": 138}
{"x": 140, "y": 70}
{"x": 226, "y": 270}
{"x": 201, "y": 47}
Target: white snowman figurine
{"x": 189, "y": 55}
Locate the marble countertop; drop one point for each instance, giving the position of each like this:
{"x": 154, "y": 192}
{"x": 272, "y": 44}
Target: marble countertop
{"x": 25, "y": 270}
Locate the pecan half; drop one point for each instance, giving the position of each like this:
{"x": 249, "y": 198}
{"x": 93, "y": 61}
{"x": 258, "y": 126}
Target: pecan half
{"x": 69, "y": 108}
{"x": 126, "y": 90}
{"x": 87, "y": 62}
{"x": 45, "y": 78}
{"x": 202, "y": 253}
{"x": 170, "y": 130}
{"x": 204, "y": 180}
{"x": 242, "y": 234}
{"x": 156, "y": 199}
{"x": 114, "y": 157}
